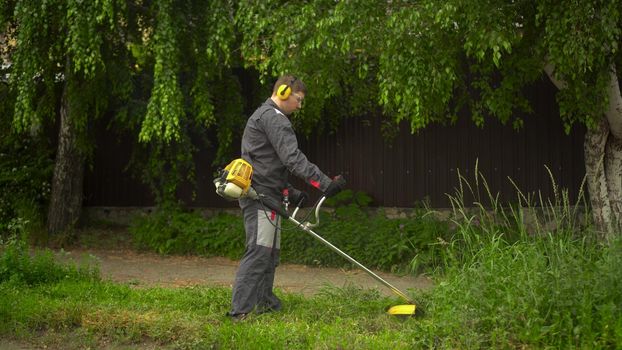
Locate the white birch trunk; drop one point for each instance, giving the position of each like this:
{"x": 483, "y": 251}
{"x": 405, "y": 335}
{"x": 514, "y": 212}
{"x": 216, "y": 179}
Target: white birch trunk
{"x": 603, "y": 161}
{"x": 598, "y": 190}
{"x": 613, "y": 153}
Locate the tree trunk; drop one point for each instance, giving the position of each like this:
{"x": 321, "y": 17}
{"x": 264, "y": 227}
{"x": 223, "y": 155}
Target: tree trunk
{"x": 66, "y": 197}
{"x": 603, "y": 161}
{"x": 603, "y": 168}
{"x": 613, "y": 167}
{"x": 613, "y": 152}
{"x": 598, "y": 190}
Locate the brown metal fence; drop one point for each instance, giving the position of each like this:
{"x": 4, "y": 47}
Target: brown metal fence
{"x": 396, "y": 173}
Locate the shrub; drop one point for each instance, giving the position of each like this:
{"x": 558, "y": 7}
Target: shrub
{"x": 170, "y": 230}
{"x": 25, "y": 171}
{"x": 370, "y": 238}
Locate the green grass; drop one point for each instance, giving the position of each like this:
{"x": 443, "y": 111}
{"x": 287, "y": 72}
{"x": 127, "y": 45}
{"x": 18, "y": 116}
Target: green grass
{"x": 195, "y": 317}
{"x": 548, "y": 291}
{"x": 542, "y": 292}
{"x": 529, "y": 274}
{"x": 502, "y": 281}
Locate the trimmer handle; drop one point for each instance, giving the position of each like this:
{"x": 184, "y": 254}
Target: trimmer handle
{"x": 317, "y": 213}
{"x": 274, "y": 205}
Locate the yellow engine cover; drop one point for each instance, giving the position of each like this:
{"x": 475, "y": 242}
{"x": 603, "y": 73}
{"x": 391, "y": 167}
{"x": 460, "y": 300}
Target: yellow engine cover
{"x": 240, "y": 172}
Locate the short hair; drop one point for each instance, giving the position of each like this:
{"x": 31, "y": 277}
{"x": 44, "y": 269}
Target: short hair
{"x": 292, "y": 81}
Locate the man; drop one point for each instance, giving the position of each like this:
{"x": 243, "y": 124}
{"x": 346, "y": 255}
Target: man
{"x": 269, "y": 144}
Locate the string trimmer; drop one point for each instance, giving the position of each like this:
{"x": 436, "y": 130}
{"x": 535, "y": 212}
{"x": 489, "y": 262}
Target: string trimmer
{"x": 234, "y": 183}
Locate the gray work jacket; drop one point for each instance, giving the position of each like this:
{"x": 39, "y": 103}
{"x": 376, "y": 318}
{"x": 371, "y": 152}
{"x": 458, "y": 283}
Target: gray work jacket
{"x": 269, "y": 144}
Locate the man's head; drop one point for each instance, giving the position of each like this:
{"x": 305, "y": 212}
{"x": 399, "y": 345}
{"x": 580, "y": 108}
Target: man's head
{"x": 288, "y": 93}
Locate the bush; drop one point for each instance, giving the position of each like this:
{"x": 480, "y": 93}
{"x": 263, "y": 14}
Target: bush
{"x": 372, "y": 239}
{"x": 25, "y": 170}
{"x": 18, "y": 265}
{"x": 170, "y": 230}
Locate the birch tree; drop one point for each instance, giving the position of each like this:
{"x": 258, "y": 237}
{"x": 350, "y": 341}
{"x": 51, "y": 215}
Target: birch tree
{"x": 73, "y": 61}
{"x": 423, "y": 61}
{"x": 65, "y": 63}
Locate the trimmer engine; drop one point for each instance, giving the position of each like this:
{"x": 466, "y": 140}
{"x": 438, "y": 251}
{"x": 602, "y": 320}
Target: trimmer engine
{"x": 234, "y": 181}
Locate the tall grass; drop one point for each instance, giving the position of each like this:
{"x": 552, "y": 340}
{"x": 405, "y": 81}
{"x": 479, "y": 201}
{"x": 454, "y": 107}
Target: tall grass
{"x": 20, "y": 267}
{"x": 529, "y": 275}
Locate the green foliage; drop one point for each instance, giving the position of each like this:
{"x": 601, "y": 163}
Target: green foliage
{"x": 168, "y": 71}
{"x": 183, "y": 59}
{"x": 582, "y": 41}
{"x": 165, "y": 107}
{"x": 418, "y": 82}
{"x": 542, "y": 291}
{"x": 331, "y": 46}
{"x": 85, "y": 35}
{"x": 424, "y": 62}
{"x": 25, "y": 172}
{"x": 172, "y": 231}
{"x": 371, "y": 238}
{"x": 64, "y": 58}
{"x": 162, "y": 69}
{"x": 65, "y": 42}
{"x": 19, "y": 267}
{"x": 191, "y": 33}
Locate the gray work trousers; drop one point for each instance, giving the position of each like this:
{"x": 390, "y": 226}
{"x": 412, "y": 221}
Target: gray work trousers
{"x": 255, "y": 276}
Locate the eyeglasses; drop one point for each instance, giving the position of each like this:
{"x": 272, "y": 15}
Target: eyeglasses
{"x": 299, "y": 98}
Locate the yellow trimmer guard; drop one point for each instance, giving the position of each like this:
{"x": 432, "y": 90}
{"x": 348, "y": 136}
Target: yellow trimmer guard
{"x": 402, "y": 310}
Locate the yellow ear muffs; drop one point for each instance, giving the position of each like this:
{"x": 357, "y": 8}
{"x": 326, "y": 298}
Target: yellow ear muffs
{"x": 283, "y": 91}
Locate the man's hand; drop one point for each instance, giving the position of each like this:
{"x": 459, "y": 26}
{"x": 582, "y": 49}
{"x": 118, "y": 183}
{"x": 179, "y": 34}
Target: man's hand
{"x": 336, "y": 186}
{"x": 298, "y": 197}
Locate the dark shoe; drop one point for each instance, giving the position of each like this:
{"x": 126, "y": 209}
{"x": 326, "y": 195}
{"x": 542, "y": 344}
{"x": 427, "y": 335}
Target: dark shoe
{"x": 237, "y": 317}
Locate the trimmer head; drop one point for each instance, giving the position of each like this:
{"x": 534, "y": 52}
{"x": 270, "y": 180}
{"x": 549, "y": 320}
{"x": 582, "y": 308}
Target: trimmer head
{"x": 403, "y": 310}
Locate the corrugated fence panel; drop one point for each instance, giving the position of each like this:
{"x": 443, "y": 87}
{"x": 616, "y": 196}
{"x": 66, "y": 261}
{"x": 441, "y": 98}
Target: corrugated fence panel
{"x": 401, "y": 171}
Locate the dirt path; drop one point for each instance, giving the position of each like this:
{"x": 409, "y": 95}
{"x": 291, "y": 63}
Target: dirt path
{"x": 148, "y": 269}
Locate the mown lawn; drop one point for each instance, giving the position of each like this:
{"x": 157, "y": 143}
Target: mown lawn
{"x": 94, "y": 313}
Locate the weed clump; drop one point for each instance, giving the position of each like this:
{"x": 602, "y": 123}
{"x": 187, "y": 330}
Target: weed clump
{"x": 18, "y": 265}
{"x": 506, "y": 281}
